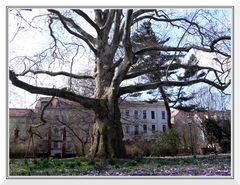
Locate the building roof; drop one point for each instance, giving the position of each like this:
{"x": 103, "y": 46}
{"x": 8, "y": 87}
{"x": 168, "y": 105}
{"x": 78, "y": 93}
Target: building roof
{"x": 141, "y": 103}
{"x": 174, "y": 112}
{"x": 178, "y": 114}
{"x": 14, "y": 112}
{"x": 126, "y": 103}
{"x": 54, "y": 102}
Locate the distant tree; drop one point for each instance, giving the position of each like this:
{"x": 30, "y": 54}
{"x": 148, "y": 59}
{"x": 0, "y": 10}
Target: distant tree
{"x": 167, "y": 144}
{"x": 212, "y": 131}
{"x": 205, "y": 98}
{"x": 216, "y": 133}
{"x": 172, "y": 97}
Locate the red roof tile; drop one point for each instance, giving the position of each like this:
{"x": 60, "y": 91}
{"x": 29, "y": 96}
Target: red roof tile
{"x": 54, "y": 102}
{"x": 19, "y": 112}
{"x": 174, "y": 112}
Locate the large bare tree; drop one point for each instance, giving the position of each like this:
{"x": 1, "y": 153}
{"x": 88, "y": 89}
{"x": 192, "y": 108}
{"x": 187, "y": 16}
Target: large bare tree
{"x": 116, "y": 60}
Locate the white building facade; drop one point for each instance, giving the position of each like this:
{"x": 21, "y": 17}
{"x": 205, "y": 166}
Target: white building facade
{"x": 66, "y": 120}
{"x": 143, "y": 119}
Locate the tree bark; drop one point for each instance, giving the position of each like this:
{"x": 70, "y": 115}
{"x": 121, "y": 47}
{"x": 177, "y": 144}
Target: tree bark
{"x": 107, "y": 134}
{"x": 167, "y": 107}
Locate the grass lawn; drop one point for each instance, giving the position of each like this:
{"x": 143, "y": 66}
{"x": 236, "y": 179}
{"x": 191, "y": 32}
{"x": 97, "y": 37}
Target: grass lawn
{"x": 161, "y": 166}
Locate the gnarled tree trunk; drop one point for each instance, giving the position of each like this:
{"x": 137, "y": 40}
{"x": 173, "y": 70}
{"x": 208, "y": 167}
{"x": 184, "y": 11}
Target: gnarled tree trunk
{"x": 107, "y": 133}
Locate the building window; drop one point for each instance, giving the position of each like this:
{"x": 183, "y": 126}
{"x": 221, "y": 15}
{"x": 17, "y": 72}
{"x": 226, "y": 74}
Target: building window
{"x": 153, "y": 128}
{"x": 153, "y": 114}
{"x": 164, "y": 128}
{"x": 145, "y": 128}
{"x": 127, "y": 113}
{"x": 136, "y": 131}
{"x": 136, "y": 114}
{"x": 55, "y": 130}
{"x": 163, "y": 115}
{"x": 55, "y": 145}
{"x": 127, "y": 129}
{"x": 144, "y": 114}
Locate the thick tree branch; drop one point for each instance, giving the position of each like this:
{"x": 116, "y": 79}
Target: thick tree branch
{"x": 168, "y": 48}
{"x": 142, "y": 11}
{"x": 116, "y": 30}
{"x": 44, "y": 108}
{"x": 122, "y": 69}
{"x": 133, "y": 16}
{"x": 217, "y": 40}
{"x": 56, "y": 74}
{"x": 171, "y": 67}
{"x": 43, "y": 120}
{"x": 88, "y": 19}
{"x": 118, "y": 62}
{"x": 154, "y": 85}
{"x": 98, "y": 16}
{"x": 126, "y": 35}
{"x": 84, "y": 101}
{"x": 72, "y": 24}
{"x": 166, "y": 103}
{"x": 108, "y": 24}
{"x": 88, "y": 39}
{"x": 185, "y": 49}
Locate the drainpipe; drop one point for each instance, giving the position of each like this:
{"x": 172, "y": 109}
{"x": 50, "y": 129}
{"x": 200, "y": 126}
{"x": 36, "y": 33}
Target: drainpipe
{"x": 49, "y": 141}
{"x": 64, "y": 142}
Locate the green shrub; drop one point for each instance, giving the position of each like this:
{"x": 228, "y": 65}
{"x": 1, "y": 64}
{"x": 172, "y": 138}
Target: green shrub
{"x": 26, "y": 162}
{"x": 78, "y": 163}
{"x": 70, "y": 165}
{"x": 225, "y": 144}
{"x": 111, "y": 162}
{"x": 139, "y": 160}
{"x": 17, "y": 150}
{"x": 42, "y": 163}
{"x": 137, "y": 147}
{"x": 92, "y": 162}
{"x": 132, "y": 163}
{"x": 167, "y": 144}
{"x": 117, "y": 166}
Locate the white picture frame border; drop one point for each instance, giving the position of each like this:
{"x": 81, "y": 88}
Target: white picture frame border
{"x": 142, "y": 3}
